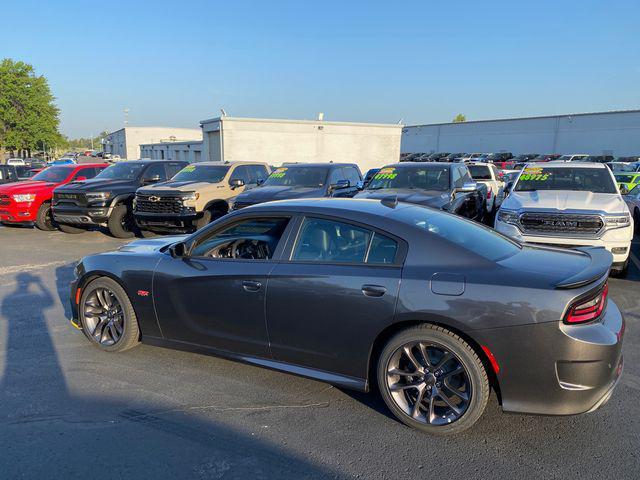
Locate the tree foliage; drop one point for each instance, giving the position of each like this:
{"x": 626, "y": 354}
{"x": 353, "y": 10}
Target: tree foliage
{"x": 85, "y": 143}
{"x": 28, "y": 114}
{"x": 459, "y": 118}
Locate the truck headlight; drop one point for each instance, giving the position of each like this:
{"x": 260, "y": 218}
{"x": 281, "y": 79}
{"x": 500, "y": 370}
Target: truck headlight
{"x": 617, "y": 221}
{"x": 23, "y": 198}
{"x": 97, "y": 196}
{"x": 190, "y": 199}
{"x": 508, "y": 216}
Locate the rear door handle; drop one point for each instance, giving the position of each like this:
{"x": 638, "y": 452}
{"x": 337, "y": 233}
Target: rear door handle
{"x": 373, "y": 290}
{"x": 251, "y": 286}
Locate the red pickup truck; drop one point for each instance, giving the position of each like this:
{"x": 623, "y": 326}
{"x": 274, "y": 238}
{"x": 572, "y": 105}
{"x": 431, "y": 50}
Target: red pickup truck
{"x": 29, "y": 202}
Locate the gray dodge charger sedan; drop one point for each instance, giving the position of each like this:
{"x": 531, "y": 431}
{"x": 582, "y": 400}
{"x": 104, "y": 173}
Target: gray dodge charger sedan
{"x": 430, "y": 308}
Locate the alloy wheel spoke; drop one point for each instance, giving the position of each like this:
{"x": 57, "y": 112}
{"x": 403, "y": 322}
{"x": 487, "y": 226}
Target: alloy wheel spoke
{"x": 446, "y": 400}
{"x": 453, "y": 372}
{"x": 445, "y": 358}
{"x": 412, "y": 358}
{"x": 113, "y": 333}
{"x": 463, "y": 395}
{"x": 402, "y": 373}
{"x": 425, "y": 355}
{"x": 430, "y": 412}
{"x": 416, "y": 406}
{"x": 404, "y": 386}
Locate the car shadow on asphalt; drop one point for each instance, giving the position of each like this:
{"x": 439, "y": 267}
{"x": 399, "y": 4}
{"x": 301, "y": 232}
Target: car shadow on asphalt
{"x": 50, "y": 430}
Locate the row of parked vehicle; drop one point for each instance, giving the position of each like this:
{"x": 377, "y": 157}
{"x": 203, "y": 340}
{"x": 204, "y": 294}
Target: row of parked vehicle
{"x": 558, "y": 203}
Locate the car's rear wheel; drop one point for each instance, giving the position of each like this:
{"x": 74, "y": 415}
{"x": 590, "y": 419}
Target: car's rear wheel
{"x": 44, "y": 219}
{"x": 107, "y": 316}
{"x": 122, "y": 223}
{"x": 432, "y": 380}
{"x": 70, "y": 229}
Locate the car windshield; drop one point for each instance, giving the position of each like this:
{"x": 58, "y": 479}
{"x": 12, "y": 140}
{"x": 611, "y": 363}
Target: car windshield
{"x": 494, "y": 156}
{"x": 121, "y": 171}
{"x": 53, "y": 174}
{"x": 480, "y": 172}
{"x": 412, "y": 178}
{"x": 201, "y": 173}
{"x": 300, "y": 176}
{"x": 597, "y": 180}
{"x": 564, "y": 158}
{"x": 625, "y": 178}
{"x": 469, "y": 235}
{"x": 620, "y": 167}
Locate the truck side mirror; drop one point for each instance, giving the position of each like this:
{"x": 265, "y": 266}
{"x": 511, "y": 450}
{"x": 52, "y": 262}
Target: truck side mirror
{"x": 236, "y": 183}
{"x": 150, "y": 180}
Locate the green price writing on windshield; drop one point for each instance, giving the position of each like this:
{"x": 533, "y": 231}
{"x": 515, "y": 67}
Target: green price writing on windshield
{"x": 526, "y": 176}
{"x": 386, "y": 174}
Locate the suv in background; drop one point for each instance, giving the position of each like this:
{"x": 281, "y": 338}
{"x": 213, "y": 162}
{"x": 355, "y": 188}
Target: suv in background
{"x": 502, "y": 160}
{"x": 107, "y": 199}
{"x": 304, "y": 180}
{"x": 571, "y": 205}
{"x": 28, "y": 202}
{"x": 8, "y": 174}
{"x": 572, "y": 158}
{"x": 489, "y": 175}
{"x": 198, "y": 194}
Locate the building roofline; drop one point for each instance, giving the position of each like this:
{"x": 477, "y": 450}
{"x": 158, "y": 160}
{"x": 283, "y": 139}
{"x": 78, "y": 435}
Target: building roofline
{"x": 562, "y": 115}
{"x": 181, "y": 142}
{"x": 304, "y": 122}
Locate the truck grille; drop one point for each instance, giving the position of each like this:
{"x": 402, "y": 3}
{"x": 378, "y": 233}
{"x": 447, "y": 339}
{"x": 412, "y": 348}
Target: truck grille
{"x": 158, "y": 204}
{"x": 73, "y": 198}
{"x": 5, "y": 200}
{"x": 569, "y": 225}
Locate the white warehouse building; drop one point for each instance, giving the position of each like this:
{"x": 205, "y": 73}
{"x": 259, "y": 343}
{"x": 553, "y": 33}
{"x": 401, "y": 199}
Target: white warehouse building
{"x": 126, "y": 141}
{"x": 275, "y": 142}
{"x": 606, "y": 133}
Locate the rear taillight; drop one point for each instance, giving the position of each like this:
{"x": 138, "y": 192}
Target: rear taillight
{"x": 588, "y": 309}
{"x": 488, "y": 194}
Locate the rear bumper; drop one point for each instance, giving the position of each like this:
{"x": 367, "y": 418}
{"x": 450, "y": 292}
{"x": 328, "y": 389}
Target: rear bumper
{"x": 557, "y": 369}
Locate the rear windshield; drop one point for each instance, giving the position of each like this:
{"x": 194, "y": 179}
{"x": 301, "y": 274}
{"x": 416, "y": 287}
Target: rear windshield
{"x": 471, "y": 236}
{"x": 411, "y": 178}
{"x": 53, "y": 174}
{"x": 309, "y": 177}
{"x": 121, "y": 171}
{"x": 597, "y": 180}
{"x": 201, "y": 173}
{"x": 480, "y": 172}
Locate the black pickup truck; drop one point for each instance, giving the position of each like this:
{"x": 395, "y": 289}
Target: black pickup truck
{"x": 445, "y": 186}
{"x": 304, "y": 180}
{"x": 106, "y": 199}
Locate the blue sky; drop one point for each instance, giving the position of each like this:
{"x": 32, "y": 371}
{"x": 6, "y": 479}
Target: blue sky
{"x": 175, "y": 63}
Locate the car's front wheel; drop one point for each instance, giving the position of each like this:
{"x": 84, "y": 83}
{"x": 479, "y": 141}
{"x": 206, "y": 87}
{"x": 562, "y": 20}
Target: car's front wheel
{"x": 107, "y": 316}
{"x": 432, "y": 380}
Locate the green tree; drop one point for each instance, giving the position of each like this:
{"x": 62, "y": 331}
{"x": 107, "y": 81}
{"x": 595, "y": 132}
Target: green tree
{"x": 28, "y": 114}
{"x": 459, "y": 118}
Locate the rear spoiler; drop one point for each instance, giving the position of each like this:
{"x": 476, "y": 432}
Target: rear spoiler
{"x": 601, "y": 260}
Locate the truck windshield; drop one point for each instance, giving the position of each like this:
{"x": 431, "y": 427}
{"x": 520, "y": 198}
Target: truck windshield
{"x": 411, "y": 178}
{"x": 597, "y": 180}
{"x": 310, "y": 177}
{"x": 201, "y": 173}
{"x": 53, "y": 174}
{"x": 121, "y": 171}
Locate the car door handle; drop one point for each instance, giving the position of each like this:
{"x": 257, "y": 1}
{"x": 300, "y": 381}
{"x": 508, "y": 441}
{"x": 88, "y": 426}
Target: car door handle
{"x": 251, "y": 286}
{"x": 373, "y": 290}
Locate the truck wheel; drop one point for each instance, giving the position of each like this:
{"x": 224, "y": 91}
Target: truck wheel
{"x": 622, "y": 273}
{"x": 121, "y": 222}
{"x": 70, "y": 229}
{"x": 204, "y": 220}
{"x": 44, "y": 219}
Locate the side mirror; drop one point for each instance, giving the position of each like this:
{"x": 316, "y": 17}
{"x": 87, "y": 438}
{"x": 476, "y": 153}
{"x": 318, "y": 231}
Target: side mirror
{"x": 260, "y": 181}
{"x": 624, "y": 189}
{"x": 468, "y": 187}
{"x": 149, "y": 180}
{"x": 178, "y": 250}
{"x": 236, "y": 183}
{"x": 340, "y": 184}
{"x": 507, "y": 188}
{"x": 360, "y": 185}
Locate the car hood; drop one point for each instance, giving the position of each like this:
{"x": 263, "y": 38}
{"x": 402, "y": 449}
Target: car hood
{"x": 148, "y": 245}
{"x": 267, "y": 194}
{"x": 191, "y": 186}
{"x": 96, "y": 185}
{"x": 26, "y": 186}
{"x": 429, "y": 198}
{"x": 565, "y": 200}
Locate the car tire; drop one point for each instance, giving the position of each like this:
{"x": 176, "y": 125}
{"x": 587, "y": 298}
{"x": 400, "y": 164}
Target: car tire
{"x": 44, "y": 218}
{"x": 622, "y": 272}
{"x": 69, "y": 229}
{"x": 435, "y": 382}
{"x": 204, "y": 220}
{"x": 116, "y": 330}
{"x": 121, "y": 223}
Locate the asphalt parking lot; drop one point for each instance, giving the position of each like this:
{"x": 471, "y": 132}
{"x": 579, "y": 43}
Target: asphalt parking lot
{"x": 68, "y": 410}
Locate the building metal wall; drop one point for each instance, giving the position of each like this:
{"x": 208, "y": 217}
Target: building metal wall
{"x": 126, "y": 141}
{"x": 189, "y": 151}
{"x": 616, "y": 133}
{"x": 303, "y": 141}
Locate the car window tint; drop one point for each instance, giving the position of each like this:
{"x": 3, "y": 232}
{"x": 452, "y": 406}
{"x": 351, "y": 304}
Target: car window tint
{"x": 329, "y": 241}
{"x": 456, "y": 178}
{"x": 382, "y": 250}
{"x": 466, "y": 176}
{"x": 257, "y": 172}
{"x": 335, "y": 176}
{"x": 352, "y": 174}
{"x": 174, "y": 168}
{"x": 250, "y": 239}
{"x": 239, "y": 173}
{"x": 156, "y": 169}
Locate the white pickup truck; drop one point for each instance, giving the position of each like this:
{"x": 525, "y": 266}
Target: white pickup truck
{"x": 488, "y": 174}
{"x": 568, "y": 205}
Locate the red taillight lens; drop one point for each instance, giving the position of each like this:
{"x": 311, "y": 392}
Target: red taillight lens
{"x": 488, "y": 194}
{"x": 588, "y": 309}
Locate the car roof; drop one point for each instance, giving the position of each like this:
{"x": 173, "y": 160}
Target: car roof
{"x": 317, "y": 165}
{"x": 478, "y": 163}
{"x": 568, "y": 165}
{"x": 422, "y": 165}
{"x": 226, "y": 164}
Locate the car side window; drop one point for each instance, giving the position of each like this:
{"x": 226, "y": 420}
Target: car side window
{"x": 335, "y": 176}
{"x": 240, "y": 173}
{"x": 456, "y": 179}
{"x": 352, "y": 174}
{"x": 257, "y": 172}
{"x": 173, "y": 168}
{"x": 382, "y": 250}
{"x": 155, "y": 169}
{"x": 465, "y": 175}
{"x": 330, "y": 241}
{"x": 249, "y": 239}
